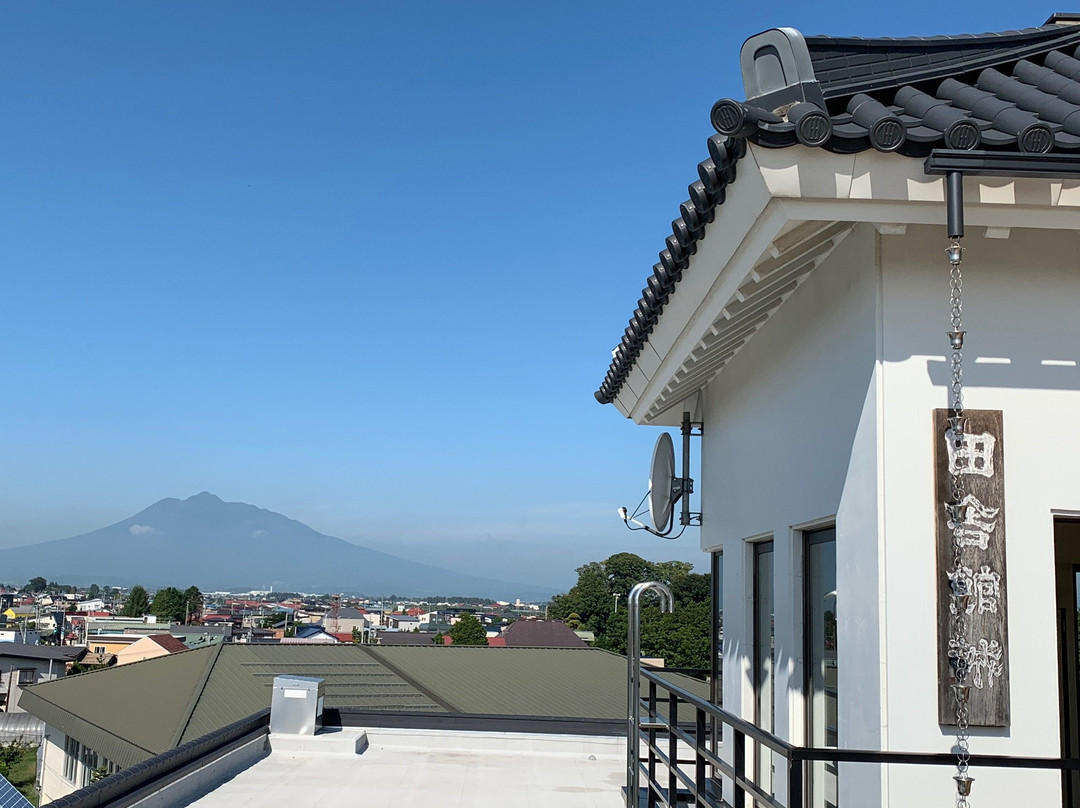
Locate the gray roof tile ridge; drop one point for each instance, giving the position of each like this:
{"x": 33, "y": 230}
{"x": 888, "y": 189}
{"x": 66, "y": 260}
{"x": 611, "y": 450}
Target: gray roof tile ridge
{"x": 1031, "y": 32}
{"x": 199, "y": 688}
{"x": 986, "y": 51}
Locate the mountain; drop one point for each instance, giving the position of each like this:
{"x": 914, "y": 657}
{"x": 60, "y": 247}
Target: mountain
{"x": 231, "y": 546}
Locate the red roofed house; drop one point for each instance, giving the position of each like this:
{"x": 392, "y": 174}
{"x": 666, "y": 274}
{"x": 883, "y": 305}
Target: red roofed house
{"x": 149, "y": 647}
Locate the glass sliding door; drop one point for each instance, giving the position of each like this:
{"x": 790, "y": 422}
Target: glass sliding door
{"x": 821, "y": 665}
{"x": 764, "y": 660}
{"x": 1067, "y": 579}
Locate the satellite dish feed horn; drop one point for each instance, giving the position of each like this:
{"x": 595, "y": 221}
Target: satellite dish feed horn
{"x": 665, "y": 488}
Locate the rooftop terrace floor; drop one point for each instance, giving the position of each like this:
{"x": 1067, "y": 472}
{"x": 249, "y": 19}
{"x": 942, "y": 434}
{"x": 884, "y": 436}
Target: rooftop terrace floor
{"x": 405, "y": 768}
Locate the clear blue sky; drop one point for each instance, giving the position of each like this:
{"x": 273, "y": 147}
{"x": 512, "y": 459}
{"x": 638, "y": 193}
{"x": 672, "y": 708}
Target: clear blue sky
{"x": 360, "y": 263}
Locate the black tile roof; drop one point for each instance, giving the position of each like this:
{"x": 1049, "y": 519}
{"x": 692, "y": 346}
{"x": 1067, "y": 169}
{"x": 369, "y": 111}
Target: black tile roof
{"x": 1016, "y": 91}
{"x": 706, "y": 193}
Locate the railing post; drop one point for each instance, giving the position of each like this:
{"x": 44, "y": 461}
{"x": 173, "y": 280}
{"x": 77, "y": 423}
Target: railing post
{"x": 699, "y": 758}
{"x": 795, "y": 782}
{"x": 651, "y": 788}
{"x": 738, "y": 763}
{"x": 672, "y": 748}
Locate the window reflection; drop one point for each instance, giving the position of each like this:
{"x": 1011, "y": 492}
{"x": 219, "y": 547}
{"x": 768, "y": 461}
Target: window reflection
{"x": 764, "y": 659}
{"x": 822, "y": 702}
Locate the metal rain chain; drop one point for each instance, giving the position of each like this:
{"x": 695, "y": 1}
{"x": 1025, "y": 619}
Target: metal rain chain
{"x": 960, "y": 594}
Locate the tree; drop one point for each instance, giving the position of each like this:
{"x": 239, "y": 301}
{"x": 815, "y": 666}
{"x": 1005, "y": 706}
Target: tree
{"x": 626, "y": 569}
{"x": 93, "y": 592}
{"x": 169, "y": 604}
{"x": 37, "y": 584}
{"x": 193, "y": 604}
{"x": 591, "y": 598}
{"x": 468, "y": 631}
{"x": 682, "y": 638}
{"x": 692, "y": 588}
{"x": 137, "y": 603}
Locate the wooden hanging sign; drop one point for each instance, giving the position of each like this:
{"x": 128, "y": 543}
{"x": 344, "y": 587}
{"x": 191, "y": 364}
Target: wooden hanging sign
{"x": 980, "y": 459}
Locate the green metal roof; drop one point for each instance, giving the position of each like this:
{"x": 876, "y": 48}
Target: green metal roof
{"x": 132, "y": 712}
{"x": 127, "y": 713}
{"x": 241, "y": 681}
{"x": 573, "y": 682}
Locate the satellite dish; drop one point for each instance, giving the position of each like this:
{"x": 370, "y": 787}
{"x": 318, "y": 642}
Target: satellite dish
{"x": 661, "y": 481}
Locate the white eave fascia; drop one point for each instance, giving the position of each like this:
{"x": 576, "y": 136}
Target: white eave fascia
{"x": 777, "y": 189}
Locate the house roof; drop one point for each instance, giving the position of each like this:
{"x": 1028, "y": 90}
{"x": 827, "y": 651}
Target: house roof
{"x": 67, "y": 653}
{"x": 541, "y": 634}
{"x": 1016, "y": 91}
{"x": 132, "y": 712}
{"x": 168, "y": 642}
{"x": 348, "y": 613}
{"x": 312, "y": 630}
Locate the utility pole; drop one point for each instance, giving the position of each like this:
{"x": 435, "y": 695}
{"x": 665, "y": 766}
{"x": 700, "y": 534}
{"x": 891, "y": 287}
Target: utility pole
{"x": 617, "y": 596}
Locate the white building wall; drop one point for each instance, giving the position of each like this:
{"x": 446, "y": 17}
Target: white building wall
{"x": 53, "y": 784}
{"x": 790, "y": 441}
{"x": 1021, "y": 305}
{"x": 52, "y": 755}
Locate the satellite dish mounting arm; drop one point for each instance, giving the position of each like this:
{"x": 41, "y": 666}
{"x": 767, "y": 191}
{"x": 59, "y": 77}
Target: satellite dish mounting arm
{"x": 685, "y": 484}
{"x": 666, "y": 489}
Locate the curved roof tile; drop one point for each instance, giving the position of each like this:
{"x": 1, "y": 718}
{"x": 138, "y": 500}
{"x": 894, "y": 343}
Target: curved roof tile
{"x": 1015, "y": 91}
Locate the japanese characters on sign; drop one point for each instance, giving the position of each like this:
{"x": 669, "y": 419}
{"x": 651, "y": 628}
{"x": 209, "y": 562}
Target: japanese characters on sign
{"x": 974, "y": 527}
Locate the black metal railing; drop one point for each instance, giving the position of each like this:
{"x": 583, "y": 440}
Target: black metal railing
{"x": 674, "y": 715}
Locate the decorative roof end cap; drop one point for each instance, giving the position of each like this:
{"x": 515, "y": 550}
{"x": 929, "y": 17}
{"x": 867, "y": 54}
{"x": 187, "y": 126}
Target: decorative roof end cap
{"x": 777, "y": 71}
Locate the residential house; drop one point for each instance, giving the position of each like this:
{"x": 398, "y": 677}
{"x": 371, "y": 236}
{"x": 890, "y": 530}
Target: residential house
{"x": 149, "y": 647}
{"x": 22, "y": 665}
{"x": 541, "y": 634}
{"x": 19, "y": 634}
{"x": 347, "y": 620}
{"x": 310, "y": 634}
{"x": 402, "y": 622}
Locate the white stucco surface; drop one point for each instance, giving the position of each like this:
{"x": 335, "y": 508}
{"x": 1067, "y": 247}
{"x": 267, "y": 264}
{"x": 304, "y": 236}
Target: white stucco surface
{"x": 790, "y": 441}
{"x": 824, "y": 417}
{"x": 404, "y": 768}
{"x": 1021, "y": 298}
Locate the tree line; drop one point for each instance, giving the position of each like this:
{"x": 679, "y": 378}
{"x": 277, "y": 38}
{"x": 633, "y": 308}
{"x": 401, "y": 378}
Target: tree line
{"x": 597, "y": 603}
{"x": 169, "y": 603}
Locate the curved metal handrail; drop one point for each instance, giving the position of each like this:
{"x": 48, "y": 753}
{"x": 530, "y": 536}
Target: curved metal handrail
{"x": 633, "y": 682}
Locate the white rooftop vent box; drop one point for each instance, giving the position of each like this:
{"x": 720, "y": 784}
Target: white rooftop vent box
{"x": 296, "y": 707}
